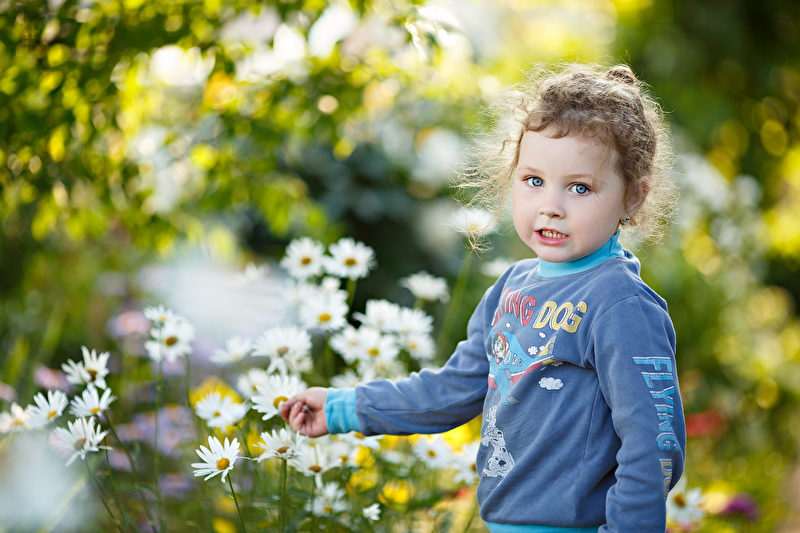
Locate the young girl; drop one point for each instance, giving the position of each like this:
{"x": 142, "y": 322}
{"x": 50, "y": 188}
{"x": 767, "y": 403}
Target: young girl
{"x": 569, "y": 357}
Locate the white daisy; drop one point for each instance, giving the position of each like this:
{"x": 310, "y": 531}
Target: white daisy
{"x": 464, "y": 463}
{"x": 90, "y": 403}
{"x": 380, "y": 314}
{"x": 473, "y": 222}
{"x": 420, "y": 346}
{"x": 171, "y": 340}
{"x": 349, "y": 259}
{"x": 372, "y": 344}
{"x": 357, "y": 439}
{"x": 248, "y": 383}
{"x": 279, "y": 444}
{"x": 304, "y": 258}
{"x": 159, "y": 315}
{"x": 348, "y": 380}
{"x": 326, "y": 312}
{"x": 433, "y": 451}
{"x": 345, "y": 343}
{"x": 343, "y": 453}
{"x": 76, "y": 373}
{"x": 277, "y": 390}
{"x": 329, "y": 501}
{"x": 312, "y": 461}
{"x": 14, "y": 420}
{"x": 218, "y": 458}
{"x": 79, "y": 438}
{"x": 46, "y": 409}
{"x": 372, "y": 513}
{"x": 684, "y": 507}
{"x": 288, "y": 349}
{"x": 220, "y": 411}
{"x": 413, "y": 322}
{"x": 426, "y": 287}
{"x": 253, "y": 273}
{"x": 385, "y": 365}
{"x": 496, "y": 267}
{"x": 96, "y": 366}
{"x": 236, "y": 349}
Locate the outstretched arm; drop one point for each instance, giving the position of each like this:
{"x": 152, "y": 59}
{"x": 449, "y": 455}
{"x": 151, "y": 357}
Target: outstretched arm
{"x": 305, "y": 413}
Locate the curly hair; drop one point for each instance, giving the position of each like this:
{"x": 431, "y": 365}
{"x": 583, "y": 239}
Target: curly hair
{"x": 609, "y": 105}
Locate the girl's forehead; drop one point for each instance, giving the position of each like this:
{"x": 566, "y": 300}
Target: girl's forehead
{"x": 548, "y": 146}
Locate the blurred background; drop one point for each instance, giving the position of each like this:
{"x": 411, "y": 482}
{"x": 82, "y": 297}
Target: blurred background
{"x": 150, "y": 150}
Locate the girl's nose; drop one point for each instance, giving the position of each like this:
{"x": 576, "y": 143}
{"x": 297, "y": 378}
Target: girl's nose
{"x": 551, "y": 206}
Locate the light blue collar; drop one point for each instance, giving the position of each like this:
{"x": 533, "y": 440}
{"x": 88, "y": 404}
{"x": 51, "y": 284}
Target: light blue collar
{"x": 612, "y": 248}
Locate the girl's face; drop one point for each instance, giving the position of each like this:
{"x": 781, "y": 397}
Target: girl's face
{"x": 567, "y": 198}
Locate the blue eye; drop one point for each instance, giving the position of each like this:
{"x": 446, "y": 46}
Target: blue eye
{"x": 580, "y": 188}
{"x": 534, "y": 182}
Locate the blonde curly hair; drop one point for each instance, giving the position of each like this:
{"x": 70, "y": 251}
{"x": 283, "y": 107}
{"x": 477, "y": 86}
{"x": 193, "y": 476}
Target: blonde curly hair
{"x": 609, "y": 105}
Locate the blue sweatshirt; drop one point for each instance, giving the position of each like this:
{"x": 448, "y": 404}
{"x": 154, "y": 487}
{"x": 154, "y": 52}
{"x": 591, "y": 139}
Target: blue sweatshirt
{"x": 572, "y": 367}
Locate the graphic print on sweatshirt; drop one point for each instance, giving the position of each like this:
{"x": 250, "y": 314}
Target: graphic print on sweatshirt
{"x": 501, "y": 461}
{"x": 509, "y": 362}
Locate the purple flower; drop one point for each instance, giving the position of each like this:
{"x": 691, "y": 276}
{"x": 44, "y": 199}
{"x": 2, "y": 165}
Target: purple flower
{"x": 742, "y": 505}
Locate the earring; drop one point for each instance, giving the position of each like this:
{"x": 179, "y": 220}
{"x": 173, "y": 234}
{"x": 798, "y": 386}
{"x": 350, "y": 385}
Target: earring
{"x": 625, "y": 221}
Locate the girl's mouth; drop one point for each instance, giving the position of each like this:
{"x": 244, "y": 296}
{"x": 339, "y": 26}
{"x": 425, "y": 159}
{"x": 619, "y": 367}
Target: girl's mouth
{"x": 551, "y": 234}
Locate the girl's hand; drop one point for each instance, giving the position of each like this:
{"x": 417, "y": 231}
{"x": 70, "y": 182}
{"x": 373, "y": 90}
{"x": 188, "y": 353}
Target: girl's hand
{"x": 305, "y": 412}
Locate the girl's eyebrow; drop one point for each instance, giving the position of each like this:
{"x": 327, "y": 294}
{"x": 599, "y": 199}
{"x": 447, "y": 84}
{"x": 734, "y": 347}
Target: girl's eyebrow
{"x": 527, "y": 168}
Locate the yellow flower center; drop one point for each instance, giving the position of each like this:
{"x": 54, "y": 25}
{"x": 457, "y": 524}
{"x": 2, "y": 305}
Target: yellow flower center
{"x": 349, "y": 261}
{"x": 217, "y": 413}
{"x": 431, "y": 453}
{"x": 278, "y": 400}
{"x": 282, "y": 449}
{"x": 374, "y": 352}
{"x": 474, "y": 467}
{"x": 51, "y": 414}
{"x": 328, "y": 508}
{"x": 359, "y": 435}
{"x": 324, "y": 317}
{"x": 223, "y": 463}
{"x": 282, "y": 351}
{"x": 169, "y": 341}
{"x": 305, "y": 261}
{"x": 315, "y": 468}
{"x": 79, "y": 444}
{"x": 95, "y": 410}
{"x": 680, "y": 500}
{"x": 92, "y": 373}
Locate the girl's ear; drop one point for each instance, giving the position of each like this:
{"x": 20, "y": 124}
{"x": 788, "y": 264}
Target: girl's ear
{"x": 635, "y": 201}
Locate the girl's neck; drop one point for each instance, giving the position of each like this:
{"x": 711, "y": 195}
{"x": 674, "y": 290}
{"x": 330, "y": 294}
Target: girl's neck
{"x": 612, "y": 248}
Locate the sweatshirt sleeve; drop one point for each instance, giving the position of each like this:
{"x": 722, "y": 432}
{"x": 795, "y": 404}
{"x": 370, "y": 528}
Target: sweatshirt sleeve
{"x": 635, "y": 361}
{"x": 431, "y": 401}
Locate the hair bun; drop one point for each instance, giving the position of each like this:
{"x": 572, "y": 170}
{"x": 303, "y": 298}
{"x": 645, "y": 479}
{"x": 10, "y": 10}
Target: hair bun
{"x": 621, "y": 73}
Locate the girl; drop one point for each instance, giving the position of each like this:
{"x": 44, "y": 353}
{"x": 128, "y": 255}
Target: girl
{"x": 569, "y": 357}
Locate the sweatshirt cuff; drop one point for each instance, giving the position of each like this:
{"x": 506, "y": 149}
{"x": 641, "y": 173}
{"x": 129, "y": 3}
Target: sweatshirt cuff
{"x": 340, "y": 410}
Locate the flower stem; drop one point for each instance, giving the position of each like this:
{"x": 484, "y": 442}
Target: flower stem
{"x": 114, "y": 488}
{"x": 96, "y": 486}
{"x": 230, "y": 483}
{"x": 155, "y": 446}
{"x": 455, "y": 302}
{"x": 133, "y": 467}
{"x": 351, "y": 292}
{"x": 285, "y": 493}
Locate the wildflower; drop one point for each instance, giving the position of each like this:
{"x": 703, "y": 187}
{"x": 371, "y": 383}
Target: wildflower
{"x": 218, "y": 458}
{"x": 330, "y": 501}
{"x": 312, "y": 461}
{"x": 277, "y": 390}
{"x": 14, "y": 420}
{"x": 304, "y": 258}
{"x": 433, "y": 451}
{"x": 426, "y": 287}
{"x": 279, "y": 444}
{"x": 326, "y": 312}
{"x": 50, "y": 378}
{"x": 220, "y": 412}
{"x": 380, "y": 314}
{"x": 413, "y": 322}
{"x": 248, "y": 383}
{"x": 288, "y": 349}
{"x": 384, "y": 365}
{"x": 236, "y": 349}
{"x": 343, "y": 453}
{"x": 742, "y": 505}
{"x": 420, "y": 346}
{"x": 372, "y": 513}
{"x": 46, "y": 409}
{"x": 171, "y": 340}
{"x": 348, "y": 380}
{"x": 253, "y": 273}
{"x": 684, "y": 507}
{"x": 473, "y": 222}
{"x": 159, "y": 315}
{"x": 91, "y": 403}
{"x": 91, "y": 371}
{"x": 79, "y": 438}
{"x": 349, "y": 259}
{"x": 464, "y": 463}
{"x": 346, "y": 343}
{"x": 357, "y": 439}
{"x": 76, "y": 373}
{"x": 496, "y": 268}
